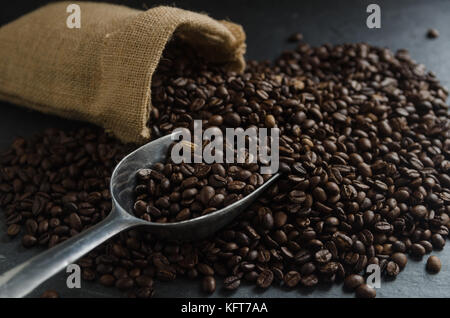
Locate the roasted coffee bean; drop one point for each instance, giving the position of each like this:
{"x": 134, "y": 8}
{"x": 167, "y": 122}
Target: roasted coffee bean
{"x": 124, "y": 283}
{"x": 265, "y": 279}
{"x": 433, "y": 264}
{"x": 205, "y": 269}
{"x": 323, "y": 256}
{"x": 88, "y": 274}
{"x": 419, "y": 211}
{"x": 267, "y": 220}
{"x": 432, "y": 33}
{"x": 417, "y": 250}
{"x": 438, "y": 241}
{"x": 251, "y": 276}
{"x": 392, "y": 269}
{"x": 309, "y": 280}
{"x": 399, "y": 246}
{"x": 75, "y": 222}
{"x": 215, "y": 120}
{"x": 145, "y": 292}
{"x": 29, "y": 240}
{"x": 400, "y": 259}
{"x": 231, "y": 282}
{"x": 365, "y": 291}
{"x": 144, "y": 281}
{"x": 31, "y": 226}
{"x": 206, "y": 194}
{"x": 209, "y": 284}
{"x": 166, "y": 274}
{"x": 295, "y": 37}
{"x": 353, "y": 281}
{"x": 292, "y": 278}
{"x": 280, "y": 219}
{"x": 232, "y": 119}
{"x": 50, "y": 294}
{"x": 307, "y": 268}
{"x": 217, "y": 200}
{"x": 13, "y": 230}
{"x": 107, "y": 280}
{"x": 383, "y": 227}
{"x": 427, "y": 246}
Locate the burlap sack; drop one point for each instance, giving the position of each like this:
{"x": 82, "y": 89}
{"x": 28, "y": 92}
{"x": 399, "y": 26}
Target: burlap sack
{"x": 102, "y": 72}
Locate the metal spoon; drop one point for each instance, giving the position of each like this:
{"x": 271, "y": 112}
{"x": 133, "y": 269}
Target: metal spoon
{"x": 22, "y": 279}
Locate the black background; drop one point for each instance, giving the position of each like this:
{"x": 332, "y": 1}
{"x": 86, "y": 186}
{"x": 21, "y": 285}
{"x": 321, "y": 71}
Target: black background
{"x": 267, "y": 25}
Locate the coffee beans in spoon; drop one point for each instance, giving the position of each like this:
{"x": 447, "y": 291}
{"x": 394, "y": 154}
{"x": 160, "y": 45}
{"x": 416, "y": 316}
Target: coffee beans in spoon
{"x": 177, "y": 192}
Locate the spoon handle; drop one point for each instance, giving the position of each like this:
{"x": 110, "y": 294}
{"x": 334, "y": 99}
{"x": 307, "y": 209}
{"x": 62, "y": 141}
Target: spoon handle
{"x": 22, "y": 279}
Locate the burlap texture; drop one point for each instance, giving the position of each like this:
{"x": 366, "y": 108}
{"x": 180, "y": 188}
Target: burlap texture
{"x": 101, "y": 72}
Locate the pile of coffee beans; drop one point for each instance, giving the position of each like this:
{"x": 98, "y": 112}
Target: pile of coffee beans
{"x": 364, "y": 153}
{"x": 56, "y": 184}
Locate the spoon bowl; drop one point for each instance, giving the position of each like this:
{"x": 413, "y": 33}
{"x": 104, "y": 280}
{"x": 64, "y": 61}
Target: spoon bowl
{"x": 123, "y": 182}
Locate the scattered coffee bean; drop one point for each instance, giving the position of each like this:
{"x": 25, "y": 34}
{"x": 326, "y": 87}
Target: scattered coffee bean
{"x": 365, "y": 291}
{"x": 50, "y": 294}
{"x": 295, "y": 37}
{"x": 432, "y": 33}
{"x": 209, "y": 284}
{"x": 353, "y": 281}
{"x": 434, "y": 264}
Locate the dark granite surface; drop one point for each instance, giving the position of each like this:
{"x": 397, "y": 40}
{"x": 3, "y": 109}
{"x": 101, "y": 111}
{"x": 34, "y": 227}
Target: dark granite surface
{"x": 267, "y": 24}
